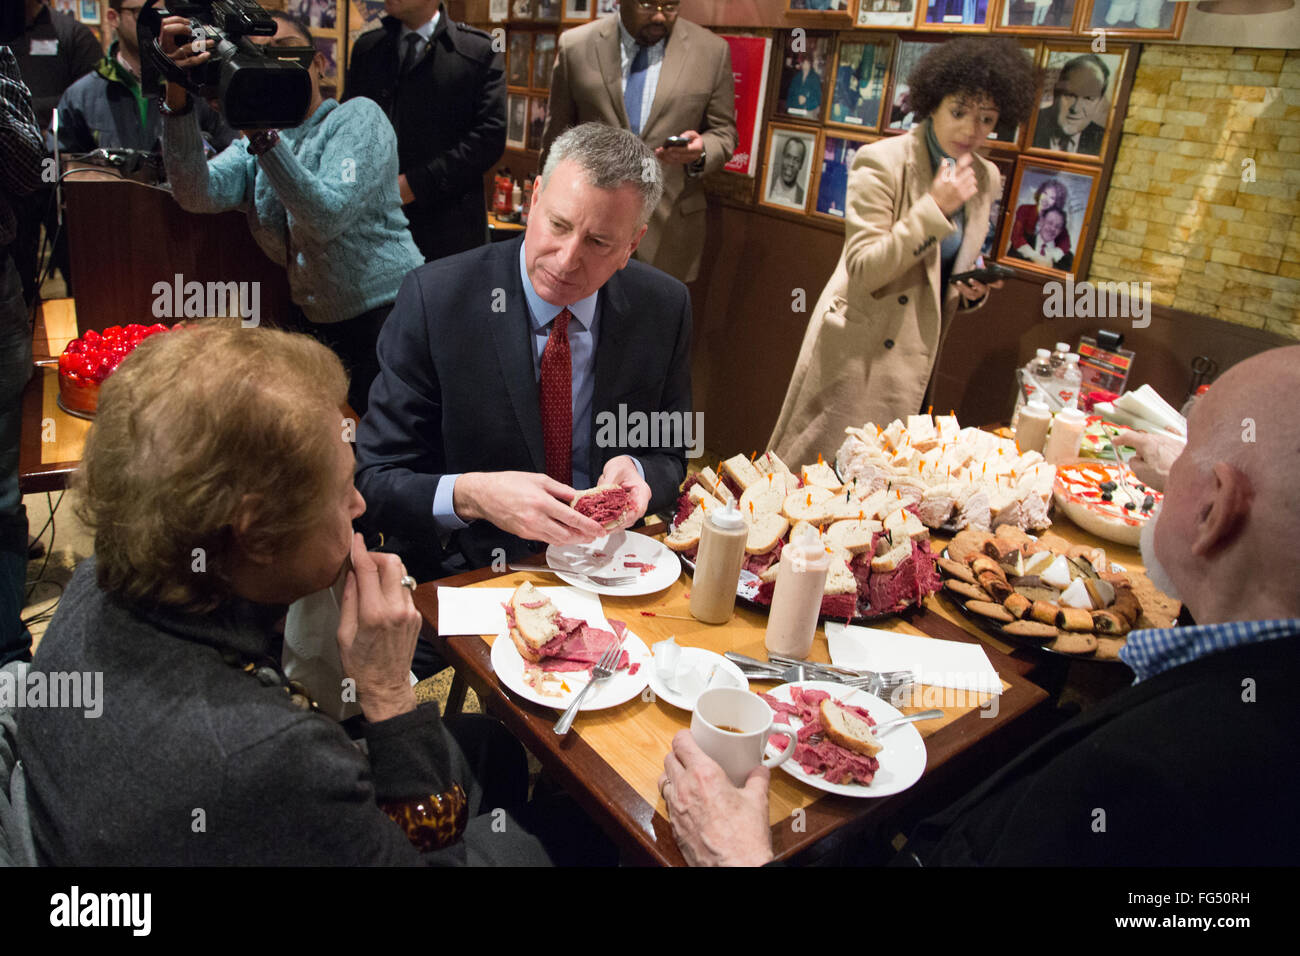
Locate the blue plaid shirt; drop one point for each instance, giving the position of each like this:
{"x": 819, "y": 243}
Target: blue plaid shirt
{"x": 1154, "y": 651}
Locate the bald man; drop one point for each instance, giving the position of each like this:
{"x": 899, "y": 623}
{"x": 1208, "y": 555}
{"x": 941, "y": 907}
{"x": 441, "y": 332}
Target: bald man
{"x": 1192, "y": 765}
{"x": 1078, "y": 100}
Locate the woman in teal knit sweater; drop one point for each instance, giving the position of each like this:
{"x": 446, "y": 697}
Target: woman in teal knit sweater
{"x": 321, "y": 200}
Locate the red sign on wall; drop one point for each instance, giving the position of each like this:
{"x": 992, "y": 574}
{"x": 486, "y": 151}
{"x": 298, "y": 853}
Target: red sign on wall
{"x": 749, "y": 64}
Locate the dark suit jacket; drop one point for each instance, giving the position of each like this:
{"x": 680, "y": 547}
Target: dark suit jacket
{"x": 1090, "y": 137}
{"x": 450, "y": 115}
{"x": 1187, "y": 771}
{"x": 457, "y": 392}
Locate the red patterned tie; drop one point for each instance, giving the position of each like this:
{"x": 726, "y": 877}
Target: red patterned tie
{"x": 557, "y": 400}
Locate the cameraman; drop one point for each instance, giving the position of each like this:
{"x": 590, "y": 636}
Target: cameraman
{"x": 321, "y": 199}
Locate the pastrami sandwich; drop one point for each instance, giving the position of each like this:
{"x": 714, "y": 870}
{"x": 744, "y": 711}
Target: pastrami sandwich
{"x": 607, "y": 505}
{"x": 544, "y": 636}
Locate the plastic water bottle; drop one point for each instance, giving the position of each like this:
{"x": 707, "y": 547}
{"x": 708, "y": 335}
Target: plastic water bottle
{"x": 1068, "y": 382}
{"x": 1037, "y": 384}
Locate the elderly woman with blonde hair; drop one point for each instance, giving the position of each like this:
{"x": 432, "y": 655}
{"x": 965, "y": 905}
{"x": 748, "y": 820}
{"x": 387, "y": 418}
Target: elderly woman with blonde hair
{"x": 218, "y": 483}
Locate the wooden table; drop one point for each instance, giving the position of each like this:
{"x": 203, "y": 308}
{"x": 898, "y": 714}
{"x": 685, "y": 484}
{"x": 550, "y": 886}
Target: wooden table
{"x": 611, "y": 760}
{"x": 52, "y": 440}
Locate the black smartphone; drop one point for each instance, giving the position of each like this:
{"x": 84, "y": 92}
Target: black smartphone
{"x": 676, "y": 142}
{"x": 989, "y": 273}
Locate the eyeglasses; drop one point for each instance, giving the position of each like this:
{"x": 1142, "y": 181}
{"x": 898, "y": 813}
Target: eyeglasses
{"x": 668, "y": 9}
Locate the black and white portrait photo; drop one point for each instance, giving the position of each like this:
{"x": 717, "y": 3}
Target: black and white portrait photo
{"x": 789, "y": 165}
{"x": 1078, "y": 91}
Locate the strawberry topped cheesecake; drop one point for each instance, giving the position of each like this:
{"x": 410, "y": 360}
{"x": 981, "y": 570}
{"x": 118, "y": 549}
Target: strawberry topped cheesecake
{"x": 90, "y": 359}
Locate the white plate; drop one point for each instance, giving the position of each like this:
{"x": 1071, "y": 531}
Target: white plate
{"x": 902, "y": 757}
{"x": 605, "y": 556}
{"x": 620, "y": 688}
{"x": 696, "y": 660}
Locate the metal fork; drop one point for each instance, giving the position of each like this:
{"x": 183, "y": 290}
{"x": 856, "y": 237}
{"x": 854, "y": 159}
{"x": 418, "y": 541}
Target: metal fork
{"x": 604, "y": 669}
{"x": 604, "y": 580}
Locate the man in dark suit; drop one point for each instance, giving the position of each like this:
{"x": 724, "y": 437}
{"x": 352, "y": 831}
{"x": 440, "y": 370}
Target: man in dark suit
{"x": 444, "y": 89}
{"x": 503, "y": 368}
{"x": 1067, "y": 125}
{"x": 1188, "y": 766}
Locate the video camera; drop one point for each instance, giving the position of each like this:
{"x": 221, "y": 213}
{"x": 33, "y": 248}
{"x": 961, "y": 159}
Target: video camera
{"x": 258, "y": 87}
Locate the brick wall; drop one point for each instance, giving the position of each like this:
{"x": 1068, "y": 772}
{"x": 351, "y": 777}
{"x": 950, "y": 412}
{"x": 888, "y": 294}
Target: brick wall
{"x": 1182, "y": 210}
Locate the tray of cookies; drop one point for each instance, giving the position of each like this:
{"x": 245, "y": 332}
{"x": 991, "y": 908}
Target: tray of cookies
{"x": 1049, "y": 594}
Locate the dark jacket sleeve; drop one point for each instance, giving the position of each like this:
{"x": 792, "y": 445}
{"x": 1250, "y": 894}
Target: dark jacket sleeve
{"x": 21, "y": 149}
{"x": 450, "y": 173}
{"x": 665, "y": 470}
{"x": 399, "y": 442}
{"x": 307, "y": 796}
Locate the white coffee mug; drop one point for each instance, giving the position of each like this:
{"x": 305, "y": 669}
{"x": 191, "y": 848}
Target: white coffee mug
{"x": 732, "y": 726}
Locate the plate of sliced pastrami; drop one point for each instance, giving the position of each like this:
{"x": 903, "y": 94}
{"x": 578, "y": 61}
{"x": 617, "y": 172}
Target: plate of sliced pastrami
{"x": 621, "y": 553}
{"x": 823, "y": 764}
{"x": 555, "y": 681}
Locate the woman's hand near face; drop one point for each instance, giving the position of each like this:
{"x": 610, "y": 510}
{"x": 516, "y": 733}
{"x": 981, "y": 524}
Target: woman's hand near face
{"x": 954, "y": 185}
{"x": 378, "y": 628}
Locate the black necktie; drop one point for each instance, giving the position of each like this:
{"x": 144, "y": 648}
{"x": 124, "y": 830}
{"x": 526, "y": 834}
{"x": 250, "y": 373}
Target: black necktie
{"x": 409, "y": 58}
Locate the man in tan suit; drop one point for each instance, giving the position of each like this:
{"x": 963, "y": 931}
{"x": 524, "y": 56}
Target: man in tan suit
{"x": 649, "y": 72}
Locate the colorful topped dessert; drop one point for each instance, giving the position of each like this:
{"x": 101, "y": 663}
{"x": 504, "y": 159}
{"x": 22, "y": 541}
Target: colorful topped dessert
{"x": 90, "y": 359}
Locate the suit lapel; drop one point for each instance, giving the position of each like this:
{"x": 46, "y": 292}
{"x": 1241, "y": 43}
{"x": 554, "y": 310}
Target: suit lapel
{"x": 919, "y": 177}
{"x": 511, "y": 335}
{"x": 609, "y": 59}
{"x": 676, "y": 55}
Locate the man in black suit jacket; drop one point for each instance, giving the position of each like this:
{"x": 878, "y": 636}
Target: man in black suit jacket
{"x": 445, "y": 93}
{"x": 451, "y": 456}
{"x": 1188, "y": 766}
{"x": 1067, "y": 125}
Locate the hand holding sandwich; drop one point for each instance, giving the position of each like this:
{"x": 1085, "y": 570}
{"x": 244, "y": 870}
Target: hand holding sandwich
{"x": 530, "y": 505}
{"x": 621, "y": 471}
{"x": 715, "y": 823}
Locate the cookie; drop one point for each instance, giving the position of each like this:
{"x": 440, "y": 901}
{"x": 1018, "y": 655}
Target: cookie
{"x": 957, "y": 570}
{"x": 1074, "y": 643}
{"x": 969, "y": 591}
{"x": 1031, "y": 629}
{"x": 966, "y": 543}
{"x": 990, "y": 610}
{"x": 1108, "y": 648}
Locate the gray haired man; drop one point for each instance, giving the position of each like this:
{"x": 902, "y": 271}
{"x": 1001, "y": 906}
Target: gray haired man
{"x": 497, "y": 365}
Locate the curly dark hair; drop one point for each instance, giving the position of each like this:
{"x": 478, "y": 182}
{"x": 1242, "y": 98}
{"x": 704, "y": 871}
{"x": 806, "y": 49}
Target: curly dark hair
{"x": 992, "y": 66}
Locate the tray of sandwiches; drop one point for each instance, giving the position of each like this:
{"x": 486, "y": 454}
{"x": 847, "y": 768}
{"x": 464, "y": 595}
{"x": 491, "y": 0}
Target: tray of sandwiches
{"x": 881, "y": 563}
{"x": 954, "y": 477}
{"x": 1046, "y": 593}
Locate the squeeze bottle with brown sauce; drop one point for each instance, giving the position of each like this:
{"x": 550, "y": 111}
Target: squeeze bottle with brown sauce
{"x": 797, "y": 600}
{"x": 717, "y": 565}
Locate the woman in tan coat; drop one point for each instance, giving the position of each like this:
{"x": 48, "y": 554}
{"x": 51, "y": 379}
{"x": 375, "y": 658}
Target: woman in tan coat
{"x": 917, "y": 210}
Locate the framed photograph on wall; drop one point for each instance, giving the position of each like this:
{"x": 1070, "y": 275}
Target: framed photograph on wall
{"x": 89, "y": 11}
{"x": 1036, "y": 16}
{"x": 578, "y": 11}
{"x": 901, "y": 116}
{"x": 547, "y": 11}
{"x": 835, "y": 153}
{"x": 317, "y": 14}
{"x": 1076, "y": 107}
{"x": 805, "y": 64}
{"x": 787, "y": 167}
{"x": 966, "y": 16}
{"x": 805, "y": 7}
{"x": 859, "y": 81}
{"x": 605, "y": 7}
{"x": 517, "y": 120}
{"x": 519, "y": 50}
{"x": 1007, "y": 168}
{"x": 521, "y": 9}
{"x": 70, "y": 7}
{"x": 1008, "y": 134}
{"x": 1047, "y": 217}
{"x": 886, "y": 14}
{"x": 543, "y": 61}
{"x": 1138, "y": 19}
{"x": 536, "y": 121}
